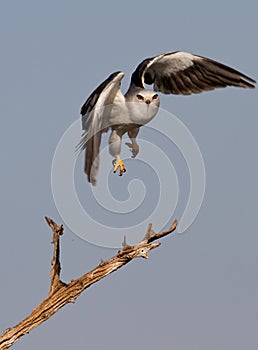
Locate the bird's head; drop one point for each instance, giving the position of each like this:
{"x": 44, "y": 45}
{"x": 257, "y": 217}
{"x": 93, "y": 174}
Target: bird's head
{"x": 147, "y": 97}
{"x": 144, "y": 105}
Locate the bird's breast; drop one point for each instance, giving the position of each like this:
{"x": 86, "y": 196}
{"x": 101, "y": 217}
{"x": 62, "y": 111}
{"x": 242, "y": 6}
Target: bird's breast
{"x": 141, "y": 113}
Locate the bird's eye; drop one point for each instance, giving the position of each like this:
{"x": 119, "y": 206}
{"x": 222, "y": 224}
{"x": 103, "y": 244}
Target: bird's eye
{"x": 140, "y": 97}
{"x": 155, "y": 97}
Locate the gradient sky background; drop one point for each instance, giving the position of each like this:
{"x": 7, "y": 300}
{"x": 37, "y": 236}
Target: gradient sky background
{"x": 198, "y": 290}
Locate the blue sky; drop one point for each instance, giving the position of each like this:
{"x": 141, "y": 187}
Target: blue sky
{"x": 199, "y": 289}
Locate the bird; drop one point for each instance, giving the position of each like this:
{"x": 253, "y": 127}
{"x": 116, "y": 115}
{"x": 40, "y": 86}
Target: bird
{"x": 107, "y": 108}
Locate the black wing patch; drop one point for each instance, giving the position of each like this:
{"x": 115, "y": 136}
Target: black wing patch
{"x": 136, "y": 78}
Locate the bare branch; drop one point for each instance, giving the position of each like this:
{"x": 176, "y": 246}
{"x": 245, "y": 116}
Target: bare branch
{"x": 151, "y": 236}
{"x": 55, "y": 283}
{"x": 61, "y": 294}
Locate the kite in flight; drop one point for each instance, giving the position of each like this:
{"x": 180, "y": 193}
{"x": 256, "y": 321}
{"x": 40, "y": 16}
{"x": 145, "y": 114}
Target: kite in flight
{"x": 179, "y": 73}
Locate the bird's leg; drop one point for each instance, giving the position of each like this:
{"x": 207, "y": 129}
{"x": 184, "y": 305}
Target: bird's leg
{"x": 115, "y": 141}
{"x": 134, "y": 145}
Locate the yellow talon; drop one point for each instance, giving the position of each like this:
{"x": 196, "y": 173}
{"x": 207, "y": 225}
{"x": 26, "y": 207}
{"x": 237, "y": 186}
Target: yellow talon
{"x": 119, "y": 164}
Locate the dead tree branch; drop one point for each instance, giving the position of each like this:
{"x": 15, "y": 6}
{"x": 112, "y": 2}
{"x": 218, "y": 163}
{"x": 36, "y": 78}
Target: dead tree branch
{"x": 61, "y": 293}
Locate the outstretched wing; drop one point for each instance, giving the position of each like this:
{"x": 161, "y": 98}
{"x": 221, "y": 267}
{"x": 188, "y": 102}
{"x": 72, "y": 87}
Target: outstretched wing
{"x": 183, "y": 73}
{"x": 95, "y": 121}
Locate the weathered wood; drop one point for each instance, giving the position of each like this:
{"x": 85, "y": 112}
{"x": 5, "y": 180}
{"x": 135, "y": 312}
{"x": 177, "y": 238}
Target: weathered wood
{"x": 61, "y": 294}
